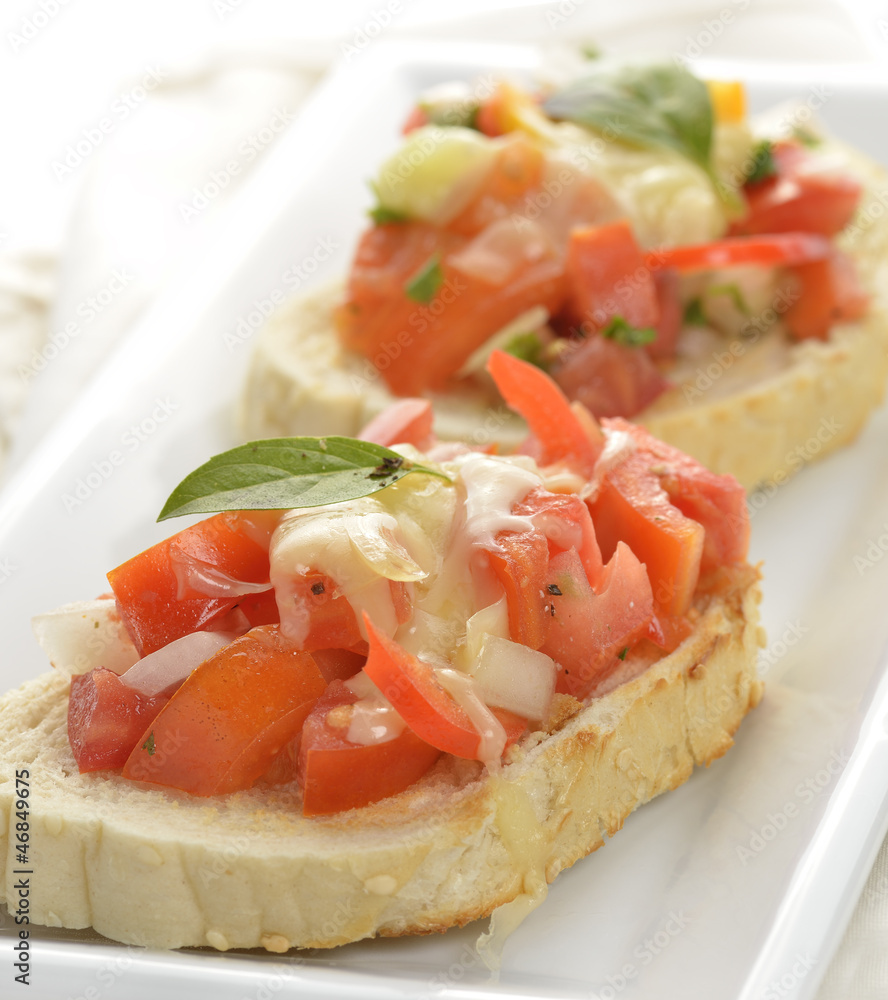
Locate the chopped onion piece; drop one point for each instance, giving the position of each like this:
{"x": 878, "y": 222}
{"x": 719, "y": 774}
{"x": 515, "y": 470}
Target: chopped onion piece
{"x": 171, "y": 664}
{"x": 511, "y": 676}
{"x": 490, "y": 621}
{"x": 85, "y": 634}
{"x": 196, "y": 575}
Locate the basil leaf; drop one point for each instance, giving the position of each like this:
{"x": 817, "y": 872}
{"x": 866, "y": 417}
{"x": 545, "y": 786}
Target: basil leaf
{"x": 282, "y": 473}
{"x": 763, "y": 165}
{"x": 623, "y": 332}
{"x": 649, "y": 106}
{"x": 424, "y": 285}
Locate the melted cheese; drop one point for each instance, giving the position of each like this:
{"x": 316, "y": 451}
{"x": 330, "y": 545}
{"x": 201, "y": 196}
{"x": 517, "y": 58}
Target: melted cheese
{"x": 528, "y": 846}
{"x": 492, "y": 736}
{"x": 493, "y": 485}
{"x": 357, "y": 544}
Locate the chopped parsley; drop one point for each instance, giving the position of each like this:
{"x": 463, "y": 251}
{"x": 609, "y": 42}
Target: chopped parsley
{"x": 528, "y": 347}
{"x": 763, "y": 164}
{"x": 149, "y": 744}
{"x": 424, "y": 285}
{"x": 693, "y": 314}
{"x": 623, "y": 332}
{"x": 623, "y": 652}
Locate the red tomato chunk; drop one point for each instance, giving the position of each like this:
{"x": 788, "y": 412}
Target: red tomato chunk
{"x": 230, "y": 719}
{"x": 159, "y": 591}
{"x": 106, "y": 719}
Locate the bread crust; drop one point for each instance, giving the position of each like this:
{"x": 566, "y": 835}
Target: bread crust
{"x": 154, "y": 867}
{"x": 758, "y": 412}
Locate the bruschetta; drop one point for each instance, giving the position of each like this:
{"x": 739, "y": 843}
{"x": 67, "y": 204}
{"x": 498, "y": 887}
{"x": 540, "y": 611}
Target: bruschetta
{"x": 389, "y": 686}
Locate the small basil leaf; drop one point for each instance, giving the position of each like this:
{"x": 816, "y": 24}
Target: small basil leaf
{"x": 283, "y": 473}
{"x": 649, "y": 106}
{"x": 623, "y": 332}
{"x": 528, "y": 347}
{"x": 424, "y": 285}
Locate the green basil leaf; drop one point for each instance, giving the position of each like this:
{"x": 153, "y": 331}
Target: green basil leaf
{"x": 283, "y": 473}
{"x": 623, "y": 332}
{"x": 660, "y": 105}
{"x": 424, "y": 285}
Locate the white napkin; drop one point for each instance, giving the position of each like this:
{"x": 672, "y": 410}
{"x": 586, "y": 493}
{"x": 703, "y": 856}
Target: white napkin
{"x": 198, "y": 129}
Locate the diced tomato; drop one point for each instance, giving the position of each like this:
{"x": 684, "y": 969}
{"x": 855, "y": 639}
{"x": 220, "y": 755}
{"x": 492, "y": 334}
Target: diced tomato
{"x": 419, "y": 346}
{"x": 668, "y": 631}
{"x": 799, "y": 198}
{"x": 516, "y": 170}
{"x": 520, "y": 564}
{"x": 336, "y": 774}
{"x": 669, "y": 304}
{"x": 607, "y": 277}
{"x": 232, "y": 716}
{"x": 589, "y": 632}
{"x": 674, "y": 514}
{"x": 106, "y": 718}
{"x": 407, "y": 421}
{"x": 772, "y": 250}
{"x": 608, "y": 378}
{"x": 828, "y": 292}
{"x": 159, "y": 593}
{"x": 338, "y": 664}
{"x": 567, "y": 524}
{"x": 632, "y": 506}
{"x": 416, "y": 119}
{"x": 561, "y": 435}
{"x": 717, "y": 502}
{"x": 431, "y": 712}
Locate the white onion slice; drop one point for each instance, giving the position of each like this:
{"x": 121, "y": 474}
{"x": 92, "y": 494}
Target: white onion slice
{"x": 86, "y": 634}
{"x": 195, "y": 574}
{"x": 172, "y": 663}
{"x": 511, "y": 676}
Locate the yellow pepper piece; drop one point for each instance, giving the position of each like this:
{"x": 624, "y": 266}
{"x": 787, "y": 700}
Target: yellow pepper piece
{"x": 728, "y": 100}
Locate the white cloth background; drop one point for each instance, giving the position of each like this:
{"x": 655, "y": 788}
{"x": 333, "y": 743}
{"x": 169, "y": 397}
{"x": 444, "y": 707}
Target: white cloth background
{"x": 116, "y": 114}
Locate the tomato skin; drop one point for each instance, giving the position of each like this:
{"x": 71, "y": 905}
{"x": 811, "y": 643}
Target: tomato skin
{"x": 589, "y": 630}
{"x": 520, "y": 566}
{"x": 558, "y": 431}
{"x": 607, "y": 277}
{"x": 430, "y": 711}
{"x": 567, "y": 524}
{"x": 232, "y": 716}
{"x": 106, "y": 719}
{"x": 336, "y": 774}
{"x": 767, "y": 250}
{"x": 828, "y": 293}
{"x": 150, "y": 598}
{"x": 717, "y": 502}
{"x": 632, "y": 507}
{"x": 676, "y": 516}
{"x": 407, "y": 421}
{"x": 798, "y": 198}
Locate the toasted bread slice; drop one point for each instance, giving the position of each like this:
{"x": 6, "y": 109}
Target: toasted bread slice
{"x": 154, "y": 867}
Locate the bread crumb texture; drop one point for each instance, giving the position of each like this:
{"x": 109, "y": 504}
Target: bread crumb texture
{"x": 152, "y": 867}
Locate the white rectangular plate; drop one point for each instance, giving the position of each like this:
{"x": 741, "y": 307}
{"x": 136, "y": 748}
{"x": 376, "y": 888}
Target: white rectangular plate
{"x": 736, "y": 885}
